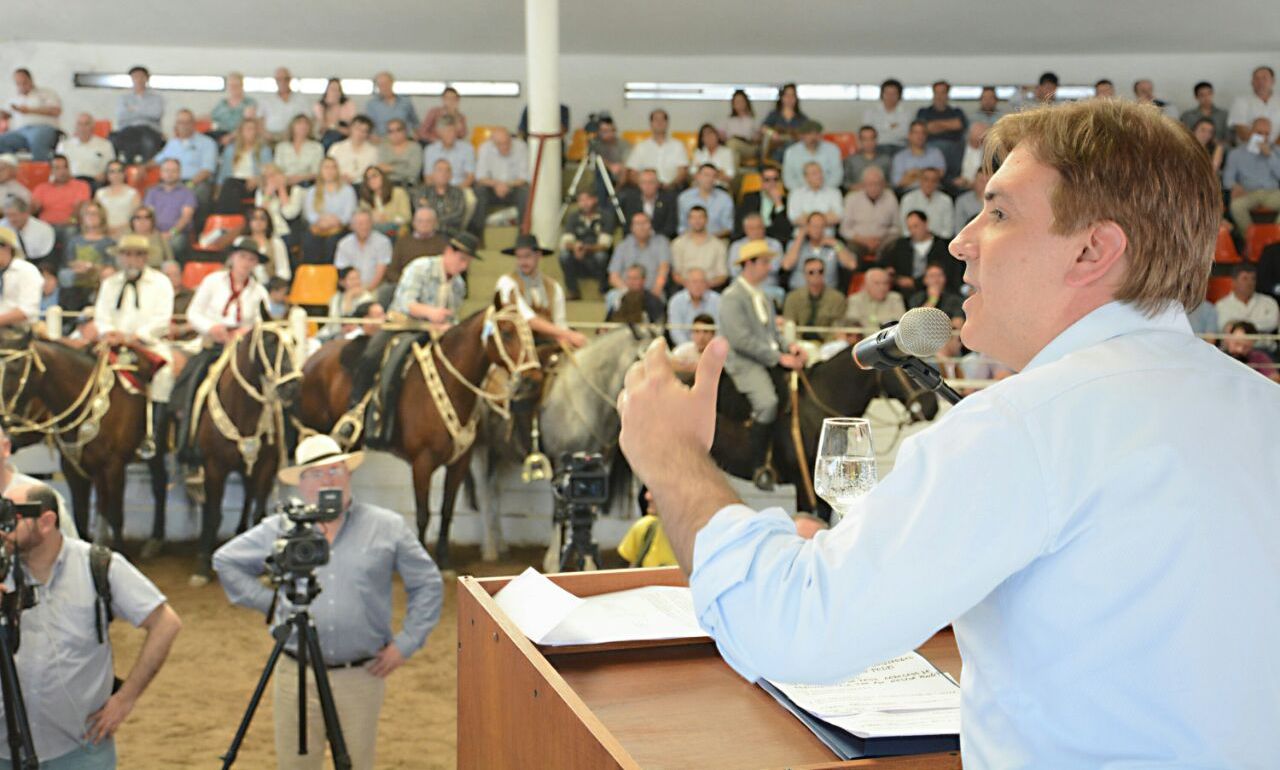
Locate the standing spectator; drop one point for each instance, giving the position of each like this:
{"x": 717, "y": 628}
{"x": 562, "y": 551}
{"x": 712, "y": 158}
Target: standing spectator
{"x": 328, "y": 208}
{"x": 1252, "y": 175}
{"x": 814, "y": 242}
{"x": 388, "y": 203}
{"x": 782, "y": 125}
{"x": 753, "y": 230}
{"x": 282, "y": 201}
{"x": 815, "y": 303}
{"x": 935, "y": 291}
{"x": 35, "y": 238}
{"x": 174, "y": 205}
{"x": 643, "y": 247}
{"x": 33, "y": 117}
{"x": 1262, "y": 103}
{"x": 971, "y": 162}
{"x": 1203, "y": 131}
{"x": 889, "y": 118}
{"x": 138, "y": 135}
{"x": 448, "y": 201}
{"x": 969, "y": 203}
{"x": 1144, "y": 92}
{"x": 812, "y": 148}
{"x": 711, "y": 151}
{"x": 143, "y": 222}
{"x": 917, "y": 156}
{"x": 661, "y": 153}
{"x": 658, "y": 204}
{"x": 714, "y": 202}
{"x": 459, "y": 153}
{"x": 770, "y": 204}
{"x": 815, "y": 197}
{"x": 988, "y": 110}
{"x": 277, "y": 110}
{"x": 56, "y": 200}
{"x": 386, "y": 105}
{"x": 1239, "y": 345}
{"x": 196, "y": 154}
{"x": 1245, "y": 303}
{"x": 945, "y": 125}
{"x": 697, "y": 248}
{"x": 333, "y": 113}
{"x": 262, "y": 232}
{"x": 423, "y": 239}
{"x": 869, "y": 154}
{"x": 1205, "y": 109}
{"x": 87, "y": 152}
{"x": 448, "y": 107}
{"x": 908, "y": 257}
{"x": 232, "y": 110}
{"x": 870, "y": 222}
{"x": 584, "y": 246}
{"x": 932, "y": 201}
{"x": 741, "y": 130}
{"x": 400, "y": 158}
{"x": 502, "y": 177}
{"x": 243, "y": 159}
{"x": 697, "y": 298}
{"x": 874, "y": 304}
{"x": 88, "y": 253}
{"x": 355, "y": 153}
{"x": 297, "y": 154}
{"x": 10, "y": 187}
{"x": 365, "y": 249}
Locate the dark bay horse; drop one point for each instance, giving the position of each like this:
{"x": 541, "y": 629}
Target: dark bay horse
{"x": 427, "y": 418}
{"x": 240, "y": 425}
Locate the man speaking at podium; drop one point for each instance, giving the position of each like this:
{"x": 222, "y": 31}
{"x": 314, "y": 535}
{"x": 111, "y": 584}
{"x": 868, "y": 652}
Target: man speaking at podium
{"x": 1100, "y": 529}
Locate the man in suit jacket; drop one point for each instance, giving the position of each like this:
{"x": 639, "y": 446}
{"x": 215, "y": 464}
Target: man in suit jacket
{"x": 908, "y": 257}
{"x": 770, "y": 203}
{"x": 650, "y": 198}
{"x": 747, "y": 320}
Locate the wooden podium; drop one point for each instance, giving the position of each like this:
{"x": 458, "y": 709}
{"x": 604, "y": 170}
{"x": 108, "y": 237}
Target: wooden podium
{"x": 668, "y": 704}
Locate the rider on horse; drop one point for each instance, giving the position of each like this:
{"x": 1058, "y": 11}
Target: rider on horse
{"x": 539, "y": 298}
{"x": 20, "y": 283}
{"x": 748, "y": 322}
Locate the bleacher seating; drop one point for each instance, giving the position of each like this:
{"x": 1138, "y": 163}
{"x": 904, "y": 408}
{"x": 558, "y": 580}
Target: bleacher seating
{"x": 219, "y": 231}
{"x": 102, "y": 128}
{"x": 1219, "y": 287}
{"x": 195, "y": 272}
{"x": 1258, "y": 237}
{"x": 314, "y": 285}
{"x": 847, "y": 141}
{"x": 32, "y": 172}
{"x": 141, "y": 177}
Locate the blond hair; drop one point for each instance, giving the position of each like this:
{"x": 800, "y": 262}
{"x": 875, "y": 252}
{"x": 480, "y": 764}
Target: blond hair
{"x": 1129, "y": 164}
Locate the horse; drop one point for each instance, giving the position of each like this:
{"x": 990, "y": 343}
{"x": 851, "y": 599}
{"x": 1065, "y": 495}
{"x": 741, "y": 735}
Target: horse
{"x": 836, "y": 387}
{"x": 434, "y": 420}
{"x": 577, "y": 413}
{"x": 97, "y": 418}
{"x": 239, "y": 425}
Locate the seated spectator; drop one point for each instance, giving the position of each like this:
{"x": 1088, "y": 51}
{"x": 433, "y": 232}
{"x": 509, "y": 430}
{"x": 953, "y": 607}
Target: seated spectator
{"x": 385, "y": 106}
{"x": 277, "y": 297}
{"x": 448, "y": 108}
{"x": 283, "y": 201}
{"x": 399, "y": 158}
{"x": 261, "y": 230}
{"x": 816, "y": 197}
{"x": 143, "y": 222}
{"x": 645, "y": 248}
{"x": 441, "y": 195}
{"x": 814, "y": 303}
{"x": 1204, "y": 319}
{"x": 232, "y": 110}
{"x": 742, "y": 130}
{"x": 1104, "y": 89}
{"x": 613, "y": 150}
{"x": 585, "y": 246}
{"x": 243, "y": 159}
{"x": 345, "y": 302}
{"x": 936, "y": 292}
{"x": 365, "y": 249}
{"x": 355, "y": 153}
{"x": 631, "y": 302}
{"x": 713, "y": 201}
{"x": 812, "y": 148}
{"x": 298, "y": 155}
{"x": 874, "y": 305}
{"x": 754, "y": 230}
{"x": 50, "y": 291}
{"x": 971, "y": 161}
{"x": 1245, "y": 110}
{"x": 457, "y": 151}
{"x": 698, "y": 249}
{"x": 118, "y": 199}
{"x": 870, "y": 222}
{"x": 770, "y": 204}
{"x": 87, "y": 152}
{"x": 696, "y": 299}
{"x": 87, "y": 257}
{"x": 1241, "y": 347}
{"x": 661, "y": 153}
{"x": 10, "y": 187}
{"x": 1252, "y": 175}
{"x": 278, "y": 109}
{"x": 422, "y": 239}
{"x": 889, "y": 117}
{"x": 782, "y": 125}
{"x": 1205, "y": 109}
{"x": 333, "y": 113}
{"x": 969, "y": 203}
{"x": 870, "y": 154}
{"x": 813, "y": 242}
{"x": 1144, "y": 92}
{"x": 178, "y": 329}
{"x": 1245, "y": 303}
{"x": 945, "y": 125}
{"x": 714, "y": 153}
{"x": 56, "y": 200}
{"x": 658, "y": 204}
{"x": 1203, "y": 132}
{"x": 932, "y": 201}
{"x": 174, "y": 205}
{"x": 32, "y": 115}
{"x": 685, "y": 356}
{"x": 35, "y": 237}
{"x": 646, "y": 544}
{"x": 912, "y": 161}
{"x": 138, "y": 135}
{"x": 388, "y": 203}
{"x": 197, "y": 157}
{"x": 989, "y": 109}
{"x": 908, "y": 257}
{"x": 502, "y": 177}
{"x": 328, "y": 208}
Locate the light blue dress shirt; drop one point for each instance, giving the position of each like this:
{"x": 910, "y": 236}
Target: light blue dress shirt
{"x": 681, "y": 312}
{"x": 196, "y": 153}
{"x": 1102, "y": 533}
{"x": 461, "y": 157}
{"x": 719, "y": 209}
{"x": 797, "y": 156}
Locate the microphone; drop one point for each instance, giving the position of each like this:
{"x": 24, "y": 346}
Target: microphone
{"x": 919, "y": 334}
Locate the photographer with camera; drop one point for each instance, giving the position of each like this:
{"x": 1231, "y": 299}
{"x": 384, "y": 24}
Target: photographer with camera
{"x": 365, "y": 544}
{"x": 64, "y": 662}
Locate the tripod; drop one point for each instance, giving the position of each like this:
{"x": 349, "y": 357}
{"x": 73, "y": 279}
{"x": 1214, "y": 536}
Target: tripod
{"x": 593, "y": 160}
{"x": 300, "y": 625}
{"x": 580, "y": 546}
{"x": 22, "y": 749}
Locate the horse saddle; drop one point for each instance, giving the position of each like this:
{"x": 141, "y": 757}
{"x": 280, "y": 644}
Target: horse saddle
{"x": 136, "y": 365}
{"x": 398, "y": 355}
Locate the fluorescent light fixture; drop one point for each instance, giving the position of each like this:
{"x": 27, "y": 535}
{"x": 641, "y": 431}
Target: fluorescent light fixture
{"x": 313, "y": 86}
{"x": 838, "y": 92}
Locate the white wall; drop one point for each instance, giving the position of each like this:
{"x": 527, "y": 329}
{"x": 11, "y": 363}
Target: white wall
{"x": 593, "y": 82}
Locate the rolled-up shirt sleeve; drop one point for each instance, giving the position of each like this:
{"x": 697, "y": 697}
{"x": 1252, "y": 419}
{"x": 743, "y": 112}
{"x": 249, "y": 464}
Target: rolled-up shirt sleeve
{"x": 241, "y": 561}
{"x": 964, "y": 508}
{"x": 424, "y": 590}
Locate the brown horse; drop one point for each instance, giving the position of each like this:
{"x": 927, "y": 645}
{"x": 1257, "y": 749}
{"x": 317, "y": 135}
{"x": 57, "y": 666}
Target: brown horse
{"x": 425, "y": 425}
{"x": 239, "y": 426}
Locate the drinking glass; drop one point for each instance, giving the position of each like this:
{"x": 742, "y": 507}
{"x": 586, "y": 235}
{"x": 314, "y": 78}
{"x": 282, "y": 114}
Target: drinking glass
{"x": 846, "y": 463}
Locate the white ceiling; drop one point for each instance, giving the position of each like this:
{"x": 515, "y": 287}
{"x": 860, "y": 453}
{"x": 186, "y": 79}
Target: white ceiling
{"x": 671, "y": 27}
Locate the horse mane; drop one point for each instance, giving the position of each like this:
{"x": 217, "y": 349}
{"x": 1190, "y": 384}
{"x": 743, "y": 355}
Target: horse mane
{"x": 79, "y": 354}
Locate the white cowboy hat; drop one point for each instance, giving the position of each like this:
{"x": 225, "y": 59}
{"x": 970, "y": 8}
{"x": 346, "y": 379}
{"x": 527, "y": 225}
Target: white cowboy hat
{"x": 314, "y": 452}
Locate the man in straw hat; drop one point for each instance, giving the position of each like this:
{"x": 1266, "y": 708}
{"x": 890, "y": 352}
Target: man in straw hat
{"x": 539, "y": 297}
{"x": 20, "y": 284}
{"x": 353, "y": 613}
{"x": 748, "y": 321}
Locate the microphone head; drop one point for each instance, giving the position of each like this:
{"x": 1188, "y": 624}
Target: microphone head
{"x": 923, "y": 330}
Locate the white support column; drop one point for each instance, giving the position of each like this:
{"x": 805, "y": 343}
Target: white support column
{"x": 542, "y": 81}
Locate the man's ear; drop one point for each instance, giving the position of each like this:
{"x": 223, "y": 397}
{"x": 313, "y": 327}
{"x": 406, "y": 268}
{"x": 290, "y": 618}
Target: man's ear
{"x": 1104, "y": 246}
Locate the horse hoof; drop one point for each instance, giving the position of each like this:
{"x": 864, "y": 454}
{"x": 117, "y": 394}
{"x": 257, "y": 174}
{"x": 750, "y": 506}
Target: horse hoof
{"x": 151, "y": 549}
{"x": 198, "y": 581}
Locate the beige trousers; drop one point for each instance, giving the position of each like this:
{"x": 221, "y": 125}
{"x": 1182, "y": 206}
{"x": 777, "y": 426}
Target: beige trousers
{"x": 1240, "y": 205}
{"x": 358, "y": 695}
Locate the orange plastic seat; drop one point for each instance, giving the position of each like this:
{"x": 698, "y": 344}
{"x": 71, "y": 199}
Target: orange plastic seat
{"x": 847, "y": 141}
{"x": 1219, "y": 287}
{"x": 231, "y": 225}
{"x": 102, "y": 128}
{"x": 314, "y": 285}
{"x": 195, "y": 272}
{"x": 204, "y": 126}
{"x": 577, "y": 149}
{"x": 751, "y": 182}
{"x": 480, "y": 135}
{"x": 1258, "y": 237}
{"x": 141, "y": 177}
{"x": 1224, "y": 253}
{"x": 690, "y": 139}
{"x": 32, "y": 173}
{"x": 635, "y": 137}
{"x": 855, "y": 283}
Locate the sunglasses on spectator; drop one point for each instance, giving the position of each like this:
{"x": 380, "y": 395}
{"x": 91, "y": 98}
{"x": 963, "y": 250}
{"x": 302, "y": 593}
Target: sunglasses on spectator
{"x": 143, "y": 216}
{"x": 815, "y": 271}
{"x": 770, "y": 178}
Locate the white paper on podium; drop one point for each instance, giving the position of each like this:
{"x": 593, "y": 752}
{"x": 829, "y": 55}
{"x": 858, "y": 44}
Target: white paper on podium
{"x": 898, "y": 724}
{"x": 550, "y": 615}
{"x": 905, "y": 683}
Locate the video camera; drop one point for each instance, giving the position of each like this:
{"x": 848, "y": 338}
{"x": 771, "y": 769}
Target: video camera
{"x": 303, "y": 547}
{"x": 592, "y": 125}
{"x": 10, "y": 512}
{"x": 581, "y": 490}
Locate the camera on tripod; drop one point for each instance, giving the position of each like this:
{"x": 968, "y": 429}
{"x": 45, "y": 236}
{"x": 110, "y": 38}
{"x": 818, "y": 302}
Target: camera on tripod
{"x": 592, "y": 126}
{"x": 303, "y": 547}
{"x": 581, "y": 490}
{"x": 10, "y": 512}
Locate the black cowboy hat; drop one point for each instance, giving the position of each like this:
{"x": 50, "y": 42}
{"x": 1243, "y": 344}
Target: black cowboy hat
{"x": 245, "y": 243}
{"x": 466, "y": 243}
{"x": 527, "y": 241}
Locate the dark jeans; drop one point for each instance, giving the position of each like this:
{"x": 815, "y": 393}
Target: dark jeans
{"x": 487, "y": 201}
{"x": 137, "y": 144}
{"x": 184, "y": 393}
{"x": 232, "y": 196}
{"x": 319, "y": 250}
{"x": 591, "y": 267}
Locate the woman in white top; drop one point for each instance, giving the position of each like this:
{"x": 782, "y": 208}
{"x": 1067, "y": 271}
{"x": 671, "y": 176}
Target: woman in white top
{"x": 742, "y": 130}
{"x": 299, "y": 156}
{"x": 334, "y": 113}
{"x": 119, "y": 199}
{"x": 711, "y": 150}
{"x": 262, "y": 231}
{"x": 282, "y": 200}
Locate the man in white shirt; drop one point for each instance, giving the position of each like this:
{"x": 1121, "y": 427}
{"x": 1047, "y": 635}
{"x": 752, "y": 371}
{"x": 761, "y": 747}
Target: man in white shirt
{"x": 667, "y": 156}
{"x": 87, "y": 152}
{"x": 277, "y": 109}
{"x": 20, "y": 284}
{"x": 539, "y": 297}
{"x": 971, "y": 161}
{"x": 1095, "y": 546}
{"x": 35, "y": 236}
{"x": 932, "y": 201}
{"x": 1262, "y": 103}
{"x": 815, "y": 196}
{"x": 1244, "y": 303}
{"x": 365, "y": 249}
{"x": 889, "y": 118}
{"x": 33, "y": 118}
{"x": 502, "y": 177}
{"x": 355, "y": 153}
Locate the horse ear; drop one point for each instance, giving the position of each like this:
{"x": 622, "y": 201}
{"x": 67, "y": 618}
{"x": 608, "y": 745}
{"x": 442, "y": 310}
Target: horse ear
{"x": 497, "y": 300}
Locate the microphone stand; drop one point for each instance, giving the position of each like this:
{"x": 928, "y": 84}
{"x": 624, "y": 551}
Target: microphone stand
{"x": 930, "y": 379}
